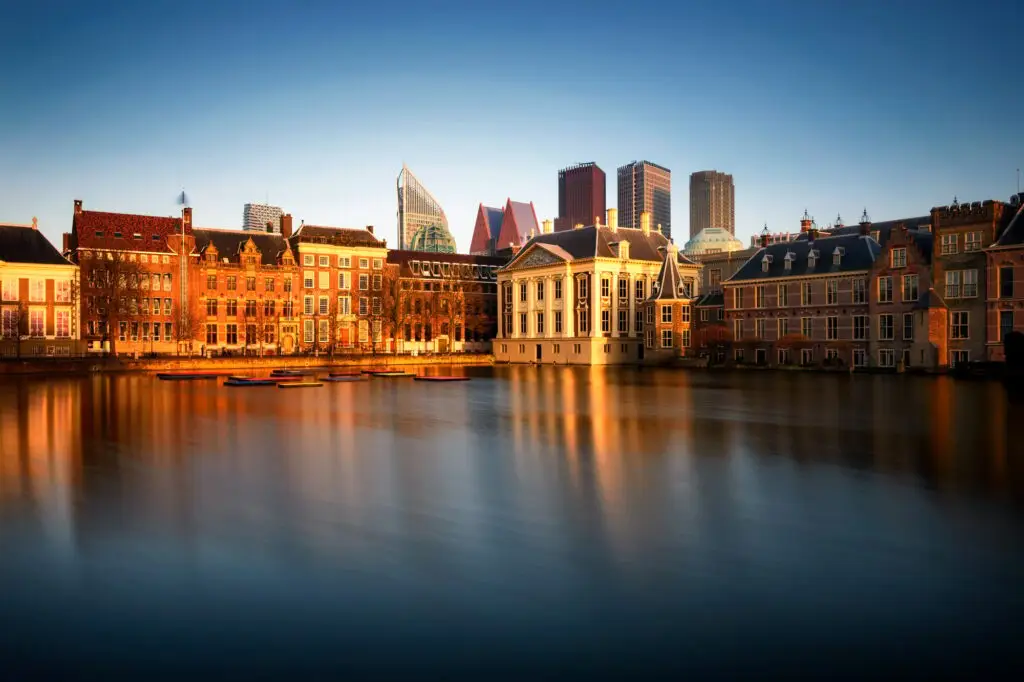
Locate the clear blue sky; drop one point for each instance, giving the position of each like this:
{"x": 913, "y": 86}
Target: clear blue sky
{"x": 896, "y": 106}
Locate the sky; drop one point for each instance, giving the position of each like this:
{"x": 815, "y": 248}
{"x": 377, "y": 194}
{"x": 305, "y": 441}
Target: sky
{"x": 831, "y": 107}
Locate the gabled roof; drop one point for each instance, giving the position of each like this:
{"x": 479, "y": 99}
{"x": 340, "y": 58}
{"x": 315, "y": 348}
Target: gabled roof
{"x": 486, "y": 228}
{"x": 710, "y": 300}
{"x": 1014, "y": 232}
{"x": 231, "y": 243}
{"x": 598, "y": 242}
{"x": 518, "y": 222}
{"x": 336, "y": 236}
{"x": 21, "y": 244}
{"x": 669, "y": 278}
{"x": 858, "y": 253}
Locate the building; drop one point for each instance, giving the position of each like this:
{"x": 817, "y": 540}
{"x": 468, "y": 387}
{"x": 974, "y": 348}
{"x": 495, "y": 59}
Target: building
{"x": 503, "y": 228}
{"x": 576, "y": 296}
{"x": 712, "y": 202}
{"x": 246, "y": 297}
{"x": 422, "y": 225}
{"x": 437, "y": 303}
{"x": 257, "y": 218}
{"x": 581, "y": 196}
{"x": 39, "y": 305}
{"x": 668, "y": 311}
{"x": 959, "y": 268}
{"x": 134, "y": 280}
{"x": 710, "y": 241}
{"x": 645, "y": 186}
{"x": 1004, "y": 297}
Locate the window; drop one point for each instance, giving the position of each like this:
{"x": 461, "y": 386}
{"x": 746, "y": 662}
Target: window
{"x": 378, "y": 263}
{"x": 363, "y": 305}
{"x": 783, "y": 327}
{"x": 62, "y": 291}
{"x": 1006, "y": 281}
{"x": 287, "y": 309}
{"x": 232, "y": 283}
{"x": 307, "y": 305}
{"x": 323, "y": 305}
{"x": 324, "y": 328}
{"x": 268, "y": 284}
{"x": 623, "y": 288}
{"x": 167, "y": 306}
{"x": 156, "y": 331}
{"x": 759, "y": 328}
{"x": 666, "y": 338}
{"x": 949, "y": 244}
{"x": 953, "y": 284}
{"x": 346, "y": 262}
{"x": 211, "y": 307}
{"x": 250, "y": 284}
{"x": 805, "y": 293}
{"x": 375, "y": 305}
{"x": 832, "y": 292}
{"x": 737, "y": 329}
{"x": 638, "y": 321}
{"x": 364, "y": 282}
{"x": 638, "y": 290}
{"x": 908, "y": 326}
{"x": 364, "y": 263}
{"x": 324, "y": 261}
{"x": 308, "y": 261}
{"x": 324, "y": 280}
{"x": 886, "y": 357}
{"x": 704, "y": 315}
{"x": 156, "y": 282}
{"x": 344, "y": 305}
{"x": 837, "y": 255}
{"x": 715, "y": 279}
{"x": 831, "y": 354}
{"x": 805, "y": 327}
{"x": 558, "y": 321}
{"x": 211, "y": 283}
{"x": 10, "y": 288}
{"x": 759, "y": 296}
{"x": 122, "y": 332}
{"x": 211, "y": 335}
{"x": 832, "y": 328}
{"x": 970, "y": 283}
{"x": 972, "y": 241}
{"x": 898, "y": 258}
{"x": 606, "y": 321}
{"x": 307, "y": 279}
{"x": 250, "y": 308}
{"x": 737, "y": 298}
{"x": 558, "y": 289}
{"x": 576, "y": 348}
{"x": 783, "y": 356}
{"x": 167, "y": 282}
{"x": 268, "y": 333}
{"x": 885, "y": 289}
{"x": 37, "y": 291}
{"x": 540, "y": 324}
{"x": 377, "y": 282}
{"x": 522, "y": 323}
{"x": 783, "y": 296}
{"x": 1005, "y": 323}
{"x": 287, "y": 285}
{"x": 606, "y": 286}
{"x": 806, "y": 356}
{"x": 623, "y": 321}
{"x": 885, "y": 330}
{"x": 910, "y": 290}
{"x": 860, "y": 357}
{"x": 960, "y": 329}
{"x": 144, "y": 307}
{"x": 269, "y": 308}
{"x": 860, "y": 327}
{"x": 959, "y": 357}
{"x": 581, "y": 288}
{"x": 232, "y": 308}
{"x": 522, "y": 292}
{"x": 344, "y": 280}
{"x": 62, "y": 324}
{"x": 666, "y": 314}
{"x": 583, "y": 322}
{"x": 307, "y": 331}
{"x": 231, "y": 334}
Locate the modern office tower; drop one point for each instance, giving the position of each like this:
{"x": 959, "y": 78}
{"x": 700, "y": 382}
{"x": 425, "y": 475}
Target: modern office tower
{"x": 712, "y": 202}
{"x": 256, "y": 216}
{"x": 422, "y": 225}
{"x": 645, "y": 186}
{"x": 581, "y": 195}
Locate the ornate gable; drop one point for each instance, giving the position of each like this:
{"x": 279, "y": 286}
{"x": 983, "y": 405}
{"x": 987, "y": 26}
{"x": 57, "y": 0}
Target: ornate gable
{"x": 537, "y": 256}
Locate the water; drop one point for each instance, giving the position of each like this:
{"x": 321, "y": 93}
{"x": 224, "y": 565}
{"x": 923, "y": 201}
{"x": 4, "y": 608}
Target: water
{"x": 532, "y": 522}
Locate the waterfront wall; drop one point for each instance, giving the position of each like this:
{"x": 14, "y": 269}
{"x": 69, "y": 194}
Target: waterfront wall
{"x": 174, "y": 364}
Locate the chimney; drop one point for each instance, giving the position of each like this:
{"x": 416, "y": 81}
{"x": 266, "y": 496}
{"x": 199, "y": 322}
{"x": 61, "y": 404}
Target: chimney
{"x": 369, "y": 228}
{"x": 286, "y": 225}
{"x": 578, "y": 226}
{"x": 547, "y": 226}
{"x": 186, "y": 218}
{"x": 613, "y": 219}
{"x": 67, "y": 242}
{"x": 764, "y": 236}
{"x": 645, "y": 223}
{"x": 806, "y": 222}
{"x": 865, "y": 223}
{"x": 78, "y": 207}
{"x": 35, "y": 223}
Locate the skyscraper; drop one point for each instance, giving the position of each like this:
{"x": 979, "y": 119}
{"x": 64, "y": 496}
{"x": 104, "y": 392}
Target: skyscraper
{"x": 645, "y": 186}
{"x": 581, "y": 195}
{"x": 422, "y": 225}
{"x": 712, "y": 202}
{"x": 256, "y": 216}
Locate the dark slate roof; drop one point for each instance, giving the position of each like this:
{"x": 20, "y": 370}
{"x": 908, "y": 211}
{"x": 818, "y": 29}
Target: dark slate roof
{"x": 883, "y": 228}
{"x": 860, "y": 253}
{"x": 493, "y": 217}
{"x": 707, "y": 300}
{"x": 20, "y": 244}
{"x": 592, "y": 241}
{"x": 337, "y": 236}
{"x": 1014, "y": 233}
{"x": 230, "y": 243}
{"x": 668, "y": 280}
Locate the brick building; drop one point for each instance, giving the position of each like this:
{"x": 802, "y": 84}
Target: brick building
{"x": 39, "y": 295}
{"x": 960, "y": 270}
{"x": 1004, "y": 283}
{"x": 667, "y": 312}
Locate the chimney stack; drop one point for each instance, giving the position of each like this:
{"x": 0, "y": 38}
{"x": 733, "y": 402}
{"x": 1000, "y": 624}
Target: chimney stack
{"x": 764, "y": 236}
{"x": 613, "y": 219}
{"x": 806, "y": 222}
{"x": 547, "y": 226}
{"x": 67, "y": 242}
{"x": 186, "y": 218}
{"x": 78, "y": 207}
{"x": 865, "y": 223}
{"x": 286, "y": 225}
{"x": 645, "y": 223}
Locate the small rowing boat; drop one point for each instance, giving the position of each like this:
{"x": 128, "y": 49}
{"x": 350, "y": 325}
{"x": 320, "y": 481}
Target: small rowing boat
{"x": 299, "y": 384}
{"x": 250, "y": 382}
{"x": 441, "y": 379}
{"x": 275, "y": 379}
{"x": 346, "y": 379}
{"x": 290, "y": 373}
{"x": 345, "y": 374}
{"x": 392, "y": 375}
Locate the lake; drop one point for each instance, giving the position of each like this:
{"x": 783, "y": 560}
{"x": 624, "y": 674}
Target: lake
{"x": 532, "y": 522}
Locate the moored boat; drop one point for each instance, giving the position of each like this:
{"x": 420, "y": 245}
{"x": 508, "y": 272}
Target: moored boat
{"x": 186, "y": 376}
{"x": 346, "y": 379}
{"x": 299, "y": 384}
{"x": 250, "y": 382}
{"x": 441, "y": 378}
{"x": 392, "y": 375}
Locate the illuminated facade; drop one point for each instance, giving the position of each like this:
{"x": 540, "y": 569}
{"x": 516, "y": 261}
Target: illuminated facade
{"x": 422, "y": 225}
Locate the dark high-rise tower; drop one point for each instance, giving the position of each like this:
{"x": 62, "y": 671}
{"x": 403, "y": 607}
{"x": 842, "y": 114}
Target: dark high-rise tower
{"x": 712, "y": 202}
{"x": 645, "y": 186}
{"x": 581, "y": 195}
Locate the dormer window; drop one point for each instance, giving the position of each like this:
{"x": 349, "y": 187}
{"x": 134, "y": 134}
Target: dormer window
{"x": 766, "y": 262}
{"x": 414, "y": 267}
{"x": 812, "y": 258}
{"x": 837, "y": 255}
{"x": 788, "y": 260}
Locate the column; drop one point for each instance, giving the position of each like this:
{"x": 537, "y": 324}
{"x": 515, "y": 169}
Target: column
{"x": 568, "y": 303}
{"x": 549, "y": 305}
{"x": 631, "y": 292}
{"x": 515, "y": 308}
{"x": 595, "y": 296}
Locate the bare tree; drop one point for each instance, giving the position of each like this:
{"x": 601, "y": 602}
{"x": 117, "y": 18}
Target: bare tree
{"x": 15, "y": 321}
{"x": 451, "y": 301}
{"x": 115, "y": 279}
{"x": 188, "y": 325}
{"x": 389, "y": 315}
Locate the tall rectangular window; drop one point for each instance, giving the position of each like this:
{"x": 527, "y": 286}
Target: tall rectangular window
{"x": 62, "y": 291}
{"x": 960, "y": 328}
{"x": 558, "y": 289}
{"x": 623, "y": 321}
{"x": 522, "y": 292}
{"x": 832, "y": 292}
{"x": 860, "y": 290}
{"x": 783, "y": 327}
{"x": 952, "y": 284}
{"x": 970, "y": 283}
{"x": 885, "y": 289}
{"x": 1006, "y": 281}
{"x": 949, "y": 244}
{"x": 606, "y": 321}
{"x": 606, "y": 285}
{"x": 908, "y": 326}
{"x": 540, "y": 291}
{"x": 783, "y": 295}
{"x": 806, "y": 329}
{"x": 737, "y": 330}
{"x": 759, "y": 296}
{"x": 231, "y": 334}
{"x": 1005, "y": 323}
{"x": 805, "y": 293}
{"x": 759, "y": 328}
{"x": 860, "y": 327}
{"x": 737, "y": 298}
{"x": 623, "y": 288}
{"x": 910, "y": 292}
{"x": 899, "y": 257}
{"x": 364, "y": 282}
{"x": 666, "y": 314}
{"x": 638, "y": 287}
{"x": 885, "y": 328}
{"x": 211, "y": 335}
{"x": 62, "y": 324}
{"x": 250, "y": 284}
{"x": 540, "y": 324}
{"x": 558, "y": 321}
{"x": 832, "y": 328}
{"x": 37, "y": 291}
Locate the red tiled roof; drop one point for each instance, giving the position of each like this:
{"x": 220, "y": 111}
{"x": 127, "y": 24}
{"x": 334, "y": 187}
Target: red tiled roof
{"x": 88, "y": 224}
{"x": 338, "y": 236}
